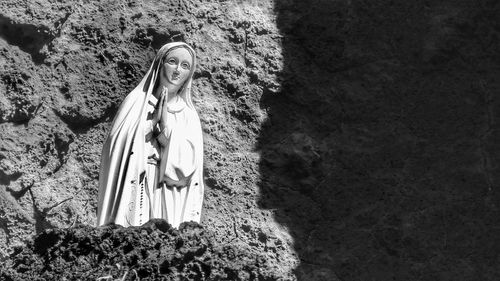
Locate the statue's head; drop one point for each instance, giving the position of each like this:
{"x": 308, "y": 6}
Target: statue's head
{"x": 177, "y": 66}
{"x": 174, "y": 64}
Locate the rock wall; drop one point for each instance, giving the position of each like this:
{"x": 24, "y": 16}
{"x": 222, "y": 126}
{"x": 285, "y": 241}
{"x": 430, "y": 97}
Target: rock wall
{"x": 352, "y": 139}
{"x": 66, "y": 66}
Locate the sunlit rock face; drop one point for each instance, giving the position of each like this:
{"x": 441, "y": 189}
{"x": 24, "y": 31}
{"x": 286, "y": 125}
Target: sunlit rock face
{"x": 355, "y": 140}
{"x": 65, "y": 68}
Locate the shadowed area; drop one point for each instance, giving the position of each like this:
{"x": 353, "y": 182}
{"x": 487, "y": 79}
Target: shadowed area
{"x": 380, "y": 153}
{"x": 28, "y": 37}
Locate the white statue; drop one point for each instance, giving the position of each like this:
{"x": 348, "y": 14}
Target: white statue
{"x": 152, "y": 160}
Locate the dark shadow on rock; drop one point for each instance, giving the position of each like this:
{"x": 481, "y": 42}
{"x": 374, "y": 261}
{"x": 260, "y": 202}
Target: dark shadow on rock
{"x": 28, "y": 37}
{"x": 381, "y": 151}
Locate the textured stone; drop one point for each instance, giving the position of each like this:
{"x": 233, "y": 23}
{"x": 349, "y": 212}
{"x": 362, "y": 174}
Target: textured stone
{"x": 154, "y": 251}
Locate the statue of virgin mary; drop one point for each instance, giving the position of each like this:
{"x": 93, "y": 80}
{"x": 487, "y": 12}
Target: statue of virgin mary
{"x": 152, "y": 160}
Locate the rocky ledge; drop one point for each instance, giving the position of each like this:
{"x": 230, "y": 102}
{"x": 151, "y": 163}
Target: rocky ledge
{"x": 154, "y": 251}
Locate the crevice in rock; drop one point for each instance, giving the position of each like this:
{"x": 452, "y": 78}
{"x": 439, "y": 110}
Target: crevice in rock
{"x": 62, "y": 143}
{"x": 28, "y": 37}
{"x": 5, "y": 179}
{"x": 41, "y": 222}
{"x": 46, "y": 211}
{"x": 18, "y": 193}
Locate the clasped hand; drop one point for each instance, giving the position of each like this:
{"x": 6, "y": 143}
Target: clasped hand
{"x": 160, "y": 115}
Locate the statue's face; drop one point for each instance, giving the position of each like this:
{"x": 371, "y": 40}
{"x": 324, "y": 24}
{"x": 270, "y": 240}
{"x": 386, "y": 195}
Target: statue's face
{"x": 177, "y": 66}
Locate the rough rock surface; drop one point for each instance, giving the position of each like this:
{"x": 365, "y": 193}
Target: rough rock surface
{"x": 347, "y": 139}
{"x": 154, "y": 251}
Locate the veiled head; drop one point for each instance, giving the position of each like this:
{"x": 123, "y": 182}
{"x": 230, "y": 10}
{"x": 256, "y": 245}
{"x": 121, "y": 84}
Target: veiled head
{"x": 154, "y": 75}
{"x": 176, "y": 66}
